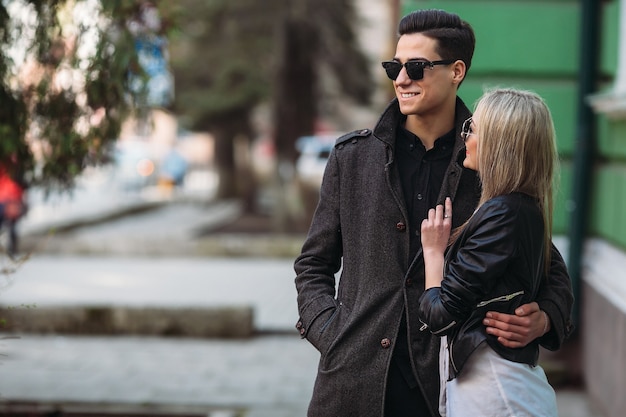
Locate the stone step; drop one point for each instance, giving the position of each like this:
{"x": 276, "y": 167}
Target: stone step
{"x": 206, "y": 322}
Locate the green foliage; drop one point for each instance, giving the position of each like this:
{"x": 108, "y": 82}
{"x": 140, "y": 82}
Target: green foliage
{"x": 64, "y": 100}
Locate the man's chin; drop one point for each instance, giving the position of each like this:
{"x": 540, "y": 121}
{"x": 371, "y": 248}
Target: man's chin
{"x": 408, "y": 109}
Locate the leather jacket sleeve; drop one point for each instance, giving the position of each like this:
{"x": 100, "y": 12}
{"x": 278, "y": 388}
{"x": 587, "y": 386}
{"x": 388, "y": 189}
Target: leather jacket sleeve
{"x": 556, "y": 298}
{"x": 475, "y": 264}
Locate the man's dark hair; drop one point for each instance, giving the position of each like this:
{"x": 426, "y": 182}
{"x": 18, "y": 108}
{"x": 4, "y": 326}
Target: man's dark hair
{"x": 455, "y": 37}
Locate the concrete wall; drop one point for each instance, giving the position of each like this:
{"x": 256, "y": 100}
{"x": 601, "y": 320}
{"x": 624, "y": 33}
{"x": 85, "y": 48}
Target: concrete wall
{"x": 603, "y": 326}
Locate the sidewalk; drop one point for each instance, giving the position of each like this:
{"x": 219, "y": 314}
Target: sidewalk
{"x": 271, "y": 374}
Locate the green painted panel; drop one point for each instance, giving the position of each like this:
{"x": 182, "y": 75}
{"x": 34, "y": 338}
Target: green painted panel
{"x": 563, "y": 192}
{"x": 530, "y": 37}
{"x": 612, "y": 138}
{"x": 559, "y": 95}
{"x": 607, "y": 213}
{"x": 617, "y": 235}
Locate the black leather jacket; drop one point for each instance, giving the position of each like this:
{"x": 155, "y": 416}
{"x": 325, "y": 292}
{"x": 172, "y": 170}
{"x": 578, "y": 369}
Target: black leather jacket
{"x": 496, "y": 264}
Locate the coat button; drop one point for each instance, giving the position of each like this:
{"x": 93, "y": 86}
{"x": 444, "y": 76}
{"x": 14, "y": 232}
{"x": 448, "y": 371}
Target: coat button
{"x": 400, "y": 227}
{"x": 385, "y": 343}
{"x": 408, "y": 282}
{"x": 300, "y": 327}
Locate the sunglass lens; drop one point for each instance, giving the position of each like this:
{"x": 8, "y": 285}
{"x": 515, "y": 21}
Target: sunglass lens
{"x": 415, "y": 70}
{"x": 392, "y": 69}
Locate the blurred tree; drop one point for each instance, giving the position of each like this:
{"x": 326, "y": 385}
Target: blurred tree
{"x": 65, "y": 85}
{"x": 232, "y": 55}
{"x": 222, "y": 58}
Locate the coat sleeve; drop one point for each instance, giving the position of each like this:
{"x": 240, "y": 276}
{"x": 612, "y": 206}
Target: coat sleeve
{"x": 320, "y": 259}
{"x": 556, "y": 298}
{"x": 472, "y": 271}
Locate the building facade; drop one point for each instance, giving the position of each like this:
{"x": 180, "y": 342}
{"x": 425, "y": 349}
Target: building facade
{"x": 573, "y": 53}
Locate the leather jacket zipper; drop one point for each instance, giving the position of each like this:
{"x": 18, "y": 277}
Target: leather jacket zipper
{"x": 500, "y": 298}
{"x": 425, "y": 326}
{"x": 456, "y": 371}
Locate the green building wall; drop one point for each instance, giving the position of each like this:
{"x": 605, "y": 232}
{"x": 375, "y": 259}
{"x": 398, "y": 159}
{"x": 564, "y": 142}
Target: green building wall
{"x": 535, "y": 45}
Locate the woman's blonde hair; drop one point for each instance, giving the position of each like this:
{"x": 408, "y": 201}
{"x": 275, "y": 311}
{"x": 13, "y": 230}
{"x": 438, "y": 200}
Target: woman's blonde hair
{"x": 517, "y": 149}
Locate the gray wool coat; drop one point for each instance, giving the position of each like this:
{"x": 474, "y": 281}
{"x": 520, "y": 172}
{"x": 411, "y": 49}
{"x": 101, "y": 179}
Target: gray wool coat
{"x": 361, "y": 227}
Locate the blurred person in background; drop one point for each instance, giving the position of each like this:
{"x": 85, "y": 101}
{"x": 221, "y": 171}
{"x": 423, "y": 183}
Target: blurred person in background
{"x": 12, "y": 208}
{"x": 376, "y": 360}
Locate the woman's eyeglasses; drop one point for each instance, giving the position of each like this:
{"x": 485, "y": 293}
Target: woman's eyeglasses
{"x": 466, "y": 129}
{"x": 414, "y": 69}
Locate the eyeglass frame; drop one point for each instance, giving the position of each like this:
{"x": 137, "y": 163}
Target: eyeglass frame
{"x": 466, "y": 129}
{"x": 412, "y": 66}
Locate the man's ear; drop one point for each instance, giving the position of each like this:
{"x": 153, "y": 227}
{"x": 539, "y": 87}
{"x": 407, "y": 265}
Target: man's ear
{"x": 459, "y": 69}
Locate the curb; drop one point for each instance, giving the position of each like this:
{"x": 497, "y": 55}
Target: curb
{"x": 213, "y": 322}
{"x": 46, "y": 228}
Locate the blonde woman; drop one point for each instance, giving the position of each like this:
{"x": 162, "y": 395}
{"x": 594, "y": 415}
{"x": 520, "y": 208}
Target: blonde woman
{"x": 496, "y": 261}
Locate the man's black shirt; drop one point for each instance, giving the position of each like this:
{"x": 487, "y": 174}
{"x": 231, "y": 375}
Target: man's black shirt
{"x": 421, "y": 173}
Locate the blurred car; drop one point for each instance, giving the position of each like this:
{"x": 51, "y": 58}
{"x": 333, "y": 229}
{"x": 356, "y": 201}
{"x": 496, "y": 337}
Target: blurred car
{"x": 314, "y": 151}
{"x": 134, "y": 165}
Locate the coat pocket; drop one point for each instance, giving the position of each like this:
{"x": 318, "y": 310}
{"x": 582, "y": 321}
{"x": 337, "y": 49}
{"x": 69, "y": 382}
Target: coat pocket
{"x": 328, "y": 327}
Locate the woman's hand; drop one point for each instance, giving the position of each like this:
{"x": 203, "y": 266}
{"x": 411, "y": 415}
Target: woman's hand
{"x": 436, "y": 228}
{"x": 435, "y": 236}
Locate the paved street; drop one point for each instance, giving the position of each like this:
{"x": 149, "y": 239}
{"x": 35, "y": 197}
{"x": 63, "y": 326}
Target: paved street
{"x": 269, "y": 376}
{"x": 260, "y": 377}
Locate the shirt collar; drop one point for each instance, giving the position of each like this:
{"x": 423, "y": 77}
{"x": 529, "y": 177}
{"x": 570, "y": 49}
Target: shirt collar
{"x": 408, "y": 141}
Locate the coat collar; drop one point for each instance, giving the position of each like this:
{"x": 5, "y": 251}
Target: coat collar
{"x": 387, "y": 126}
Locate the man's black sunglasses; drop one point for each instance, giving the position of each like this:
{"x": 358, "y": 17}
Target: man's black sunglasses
{"x": 414, "y": 69}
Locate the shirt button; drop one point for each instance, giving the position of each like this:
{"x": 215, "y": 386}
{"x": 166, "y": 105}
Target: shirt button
{"x": 419, "y": 197}
{"x": 385, "y": 343}
{"x": 401, "y": 227}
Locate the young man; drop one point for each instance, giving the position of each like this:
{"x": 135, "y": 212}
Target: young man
{"x": 376, "y": 360}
